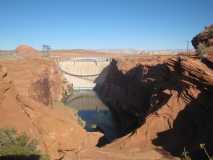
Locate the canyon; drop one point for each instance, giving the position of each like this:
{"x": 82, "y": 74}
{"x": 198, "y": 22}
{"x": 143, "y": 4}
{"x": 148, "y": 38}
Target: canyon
{"x": 161, "y": 104}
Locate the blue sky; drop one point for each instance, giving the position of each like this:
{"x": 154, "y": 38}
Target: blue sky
{"x": 101, "y": 24}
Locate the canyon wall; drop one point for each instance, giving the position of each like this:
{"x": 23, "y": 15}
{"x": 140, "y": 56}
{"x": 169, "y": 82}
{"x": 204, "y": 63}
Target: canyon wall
{"x": 37, "y": 78}
{"x": 162, "y": 102}
{"x": 27, "y": 87}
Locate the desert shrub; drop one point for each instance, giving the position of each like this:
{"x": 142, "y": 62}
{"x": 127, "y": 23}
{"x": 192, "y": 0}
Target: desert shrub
{"x": 186, "y": 155}
{"x": 210, "y": 33}
{"x": 201, "y": 50}
{"x": 67, "y": 92}
{"x": 12, "y": 144}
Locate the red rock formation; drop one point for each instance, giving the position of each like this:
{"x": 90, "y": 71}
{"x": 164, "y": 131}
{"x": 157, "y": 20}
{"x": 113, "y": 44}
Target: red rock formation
{"x": 56, "y": 128}
{"x": 205, "y": 37}
{"x": 26, "y": 51}
{"x": 162, "y": 104}
{"x": 36, "y": 78}
{"x": 165, "y": 103}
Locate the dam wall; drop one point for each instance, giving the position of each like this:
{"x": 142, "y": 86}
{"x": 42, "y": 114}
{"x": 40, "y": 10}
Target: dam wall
{"x": 84, "y": 72}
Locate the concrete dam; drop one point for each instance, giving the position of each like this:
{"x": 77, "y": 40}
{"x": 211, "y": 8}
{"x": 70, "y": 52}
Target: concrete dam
{"x": 84, "y": 72}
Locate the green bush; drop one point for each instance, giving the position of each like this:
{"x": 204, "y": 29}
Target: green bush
{"x": 201, "y": 50}
{"x": 210, "y": 33}
{"x": 12, "y": 144}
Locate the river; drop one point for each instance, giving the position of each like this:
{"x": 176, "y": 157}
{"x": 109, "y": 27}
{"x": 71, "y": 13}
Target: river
{"x": 94, "y": 113}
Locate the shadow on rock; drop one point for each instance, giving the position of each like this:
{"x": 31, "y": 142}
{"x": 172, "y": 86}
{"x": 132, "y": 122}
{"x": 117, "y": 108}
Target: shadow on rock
{"x": 191, "y": 128}
{"x": 133, "y": 95}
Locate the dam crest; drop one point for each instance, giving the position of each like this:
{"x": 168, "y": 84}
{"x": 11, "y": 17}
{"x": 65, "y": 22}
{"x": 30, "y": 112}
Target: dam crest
{"x": 83, "y": 72}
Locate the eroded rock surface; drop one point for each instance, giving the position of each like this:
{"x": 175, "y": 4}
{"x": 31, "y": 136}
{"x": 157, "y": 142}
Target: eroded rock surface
{"x": 55, "y": 128}
{"x": 162, "y": 103}
{"x": 38, "y": 79}
{"x": 205, "y": 37}
{"x": 26, "y": 51}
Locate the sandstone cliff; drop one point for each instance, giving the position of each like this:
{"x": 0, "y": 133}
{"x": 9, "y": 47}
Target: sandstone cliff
{"x": 38, "y": 79}
{"x": 25, "y": 88}
{"x": 162, "y": 103}
{"x": 205, "y": 37}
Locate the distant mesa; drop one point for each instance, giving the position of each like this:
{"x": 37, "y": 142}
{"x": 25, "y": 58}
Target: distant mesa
{"x": 205, "y": 37}
{"x": 26, "y": 51}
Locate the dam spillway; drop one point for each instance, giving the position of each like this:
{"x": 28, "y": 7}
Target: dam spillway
{"x": 83, "y": 72}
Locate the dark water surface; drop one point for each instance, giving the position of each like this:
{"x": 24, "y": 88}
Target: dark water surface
{"x": 96, "y": 115}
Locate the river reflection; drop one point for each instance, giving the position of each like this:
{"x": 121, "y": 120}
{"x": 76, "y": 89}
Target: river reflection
{"x": 93, "y": 112}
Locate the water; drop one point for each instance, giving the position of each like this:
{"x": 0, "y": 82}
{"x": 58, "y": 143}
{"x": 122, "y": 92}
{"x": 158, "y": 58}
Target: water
{"x": 93, "y": 112}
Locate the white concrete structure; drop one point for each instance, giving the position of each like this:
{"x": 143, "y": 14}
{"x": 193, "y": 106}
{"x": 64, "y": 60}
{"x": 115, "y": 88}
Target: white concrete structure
{"x": 83, "y": 73}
